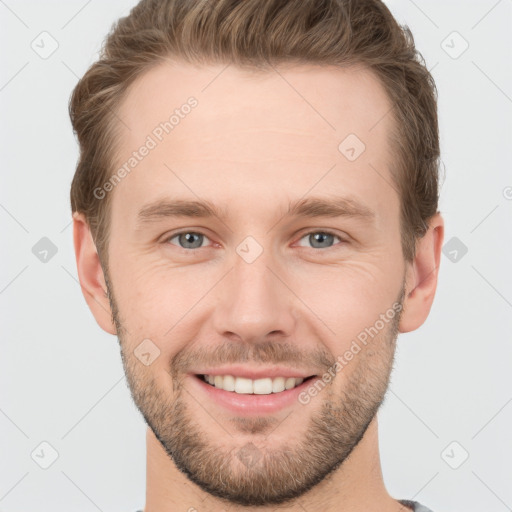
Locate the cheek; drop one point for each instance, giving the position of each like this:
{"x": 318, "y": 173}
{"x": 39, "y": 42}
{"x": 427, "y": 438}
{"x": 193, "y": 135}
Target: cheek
{"x": 165, "y": 302}
{"x": 144, "y": 285}
{"x": 160, "y": 304}
{"x": 348, "y": 298}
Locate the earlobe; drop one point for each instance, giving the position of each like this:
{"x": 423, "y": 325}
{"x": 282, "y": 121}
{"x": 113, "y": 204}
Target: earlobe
{"x": 90, "y": 274}
{"x": 422, "y": 275}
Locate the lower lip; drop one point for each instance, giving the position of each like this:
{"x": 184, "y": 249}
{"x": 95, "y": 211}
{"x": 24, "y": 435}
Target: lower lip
{"x": 249, "y": 404}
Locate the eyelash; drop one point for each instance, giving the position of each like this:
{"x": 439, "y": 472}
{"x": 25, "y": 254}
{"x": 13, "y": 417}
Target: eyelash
{"x": 324, "y": 232}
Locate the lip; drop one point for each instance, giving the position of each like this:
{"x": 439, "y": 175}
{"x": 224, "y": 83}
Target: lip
{"x": 249, "y": 404}
{"x": 256, "y": 373}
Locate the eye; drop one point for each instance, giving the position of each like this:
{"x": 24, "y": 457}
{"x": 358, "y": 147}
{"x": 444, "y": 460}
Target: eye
{"x": 188, "y": 239}
{"x": 321, "y": 239}
{"x": 194, "y": 240}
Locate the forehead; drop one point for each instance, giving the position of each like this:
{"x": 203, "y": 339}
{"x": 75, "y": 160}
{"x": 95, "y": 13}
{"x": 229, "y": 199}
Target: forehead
{"x": 328, "y": 100}
{"x": 281, "y": 129}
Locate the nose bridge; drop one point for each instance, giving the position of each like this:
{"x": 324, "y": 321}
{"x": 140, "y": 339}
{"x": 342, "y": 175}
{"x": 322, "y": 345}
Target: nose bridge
{"x": 253, "y": 302}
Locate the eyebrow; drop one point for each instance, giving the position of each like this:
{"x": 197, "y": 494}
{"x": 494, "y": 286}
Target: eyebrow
{"x": 309, "y": 207}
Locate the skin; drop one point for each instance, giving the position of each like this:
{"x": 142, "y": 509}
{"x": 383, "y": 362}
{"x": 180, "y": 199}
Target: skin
{"x": 254, "y": 142}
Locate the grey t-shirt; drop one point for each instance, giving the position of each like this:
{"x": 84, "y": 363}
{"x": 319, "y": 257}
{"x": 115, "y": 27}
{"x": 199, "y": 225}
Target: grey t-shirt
{"x": 414, "y": 505}
{"x": 417, "y": 507}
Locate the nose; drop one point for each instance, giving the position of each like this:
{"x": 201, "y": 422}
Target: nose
{"x": 253, "y": 303}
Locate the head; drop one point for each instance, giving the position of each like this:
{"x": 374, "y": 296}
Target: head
{"x": 221, "y": 146}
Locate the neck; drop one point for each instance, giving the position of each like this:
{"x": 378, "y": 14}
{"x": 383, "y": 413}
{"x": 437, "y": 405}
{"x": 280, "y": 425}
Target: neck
{"x": 357, "y": 485}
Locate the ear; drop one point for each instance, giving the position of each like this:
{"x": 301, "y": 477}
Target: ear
{"x": 421, "y": 276}
{"x": 90, "y": 274}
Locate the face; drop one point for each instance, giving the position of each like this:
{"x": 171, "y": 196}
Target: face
{"x": 291, "y": 262}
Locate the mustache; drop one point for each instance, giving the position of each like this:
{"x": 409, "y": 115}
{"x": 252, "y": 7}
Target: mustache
{"x": 270, "y": 352}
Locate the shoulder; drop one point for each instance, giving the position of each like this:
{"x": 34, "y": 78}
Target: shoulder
{"x": 413, "y": 505}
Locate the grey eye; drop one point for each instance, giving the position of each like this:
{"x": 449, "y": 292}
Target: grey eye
{"x": 189, "y": 240}
{"x": 320, "y": 239}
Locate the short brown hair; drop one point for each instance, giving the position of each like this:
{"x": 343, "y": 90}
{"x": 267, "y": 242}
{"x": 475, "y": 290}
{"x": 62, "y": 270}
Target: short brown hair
{"x": 260, "y": 34}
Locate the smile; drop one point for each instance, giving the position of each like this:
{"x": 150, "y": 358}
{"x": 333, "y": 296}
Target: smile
{"x": 253, "y": 397}
{"x": 264, "y": 386}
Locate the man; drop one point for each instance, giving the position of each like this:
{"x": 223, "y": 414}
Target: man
{"x": 255, "y": 218}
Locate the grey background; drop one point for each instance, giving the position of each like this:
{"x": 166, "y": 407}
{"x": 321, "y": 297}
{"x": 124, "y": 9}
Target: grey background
{"x": 61, "y": 377}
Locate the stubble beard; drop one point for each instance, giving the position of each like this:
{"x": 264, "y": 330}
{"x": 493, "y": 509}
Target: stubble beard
{"x": 256, "y": 472}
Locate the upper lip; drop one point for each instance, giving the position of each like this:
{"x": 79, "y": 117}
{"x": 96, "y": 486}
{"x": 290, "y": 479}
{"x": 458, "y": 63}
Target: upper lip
{"x": 255, "y": 373}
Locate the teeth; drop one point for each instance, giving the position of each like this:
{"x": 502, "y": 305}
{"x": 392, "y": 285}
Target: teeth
{"x": 289, "y": 383}
{"x": 278, "y": 384}
{"x": 244, "y": 386}
{"x": 228, "y": 383}
{"x": 263, "y": 386}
